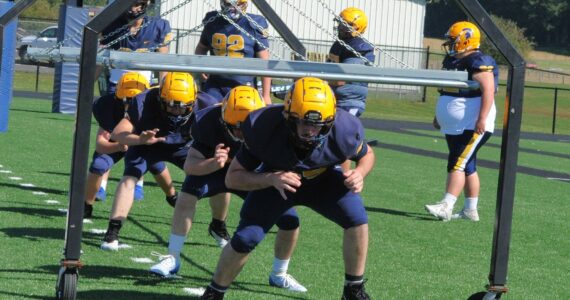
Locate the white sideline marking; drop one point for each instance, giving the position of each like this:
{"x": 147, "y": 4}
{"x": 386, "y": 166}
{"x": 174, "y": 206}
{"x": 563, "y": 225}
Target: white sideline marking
{"x": 51, "y": 202}
{"x": 124, "y": 246}
{"x": 27, "y": 185}
{"x": 39, "y": 193}
{"x": 87, "y": 221}
{"x": 1, "y": 166}
{"x": 561, "y": 179}
{"x": 62, "y": 210}
{"x": 142, "y": 260}
{"x": 15, "y": 178}
{"x": 194, "y": 291}
{"x": 97, "y": 231}
{"x": 6, "y": 171}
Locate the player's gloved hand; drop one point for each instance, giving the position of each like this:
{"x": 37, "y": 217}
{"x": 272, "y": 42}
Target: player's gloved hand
{"x": 436, "y": 124}
{"x": 353, "y": 180}
{"x": 148, "y": 137}
{"x": 285, "y": 181}
{"x": 221, "y": 155}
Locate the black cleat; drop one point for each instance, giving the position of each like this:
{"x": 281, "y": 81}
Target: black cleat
{"x": 211, "y": 294}
{"x": 219, "y": 232}
{"x": 87, "y": 211}
{"x": 355, "y": 292}
{"x": 172, "y": 200}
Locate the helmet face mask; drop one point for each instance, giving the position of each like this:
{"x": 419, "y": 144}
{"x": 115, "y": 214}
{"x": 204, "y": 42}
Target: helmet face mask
{"x": 230, "y": 10}
{"x": 310, "y": 109}
{"x": 236, "y": 106}
{"x": 178, "y": 93}
{"x": 461, "y": 37}
{"x": 133, "y": 13}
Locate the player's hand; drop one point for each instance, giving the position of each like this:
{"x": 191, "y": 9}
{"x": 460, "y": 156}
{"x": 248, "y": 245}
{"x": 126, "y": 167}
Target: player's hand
{"x": 204, "y": 76}
{"x": 286, "y": 181}
{"x": 123, "y": 148}
{"x": 436, "y": 124}
{"x": 221, "y": 155}
{"x": 480, "y": 126}
{"x": 148, "y": 137}
{"x": 353, "y": 180}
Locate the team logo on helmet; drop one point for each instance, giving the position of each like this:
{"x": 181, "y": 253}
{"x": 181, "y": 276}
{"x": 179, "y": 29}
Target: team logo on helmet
{"x": 462, "y": 36}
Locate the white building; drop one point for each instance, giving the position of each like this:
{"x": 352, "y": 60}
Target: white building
{"x": 395, "y": 26}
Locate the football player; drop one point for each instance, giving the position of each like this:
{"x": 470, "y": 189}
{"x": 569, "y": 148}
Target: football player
{"x": 144, "y": 33}
{"x": 351, "y": 96}
{"x": 290, "y": 160}
{"x": 158, "y": 129}
{"x": 109, "y": 110}
{"x": 217, "y": 137}
{"x": 467, "y": 118}
{"x": 221, "y": 38}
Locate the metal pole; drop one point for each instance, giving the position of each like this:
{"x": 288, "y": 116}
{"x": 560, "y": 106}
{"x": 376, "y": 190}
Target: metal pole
{"x": 280, "y": 27}
{"x": 37, "y": 76}
{"x": 80, "y": 153}
{"x": 509, "y": 145}
{"x": 178, "y": 40}
{"x": 427, "y": 67}
{"x": 554, "y": 110}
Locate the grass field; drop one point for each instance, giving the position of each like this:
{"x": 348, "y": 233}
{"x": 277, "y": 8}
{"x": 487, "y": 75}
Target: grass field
{"x": 411, "y": 255}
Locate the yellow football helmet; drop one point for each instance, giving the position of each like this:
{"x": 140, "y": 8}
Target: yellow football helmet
{"x": 178, "y": 89}
{"x": 462, "y": 36}
{"x": 237, "y": 104}
{"x": 356, "y": 18}
{"x": 310, "y": 101}
{"x": 130, "y": 85}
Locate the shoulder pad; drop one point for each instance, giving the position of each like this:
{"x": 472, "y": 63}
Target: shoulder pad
{"x": 348, "y": 133}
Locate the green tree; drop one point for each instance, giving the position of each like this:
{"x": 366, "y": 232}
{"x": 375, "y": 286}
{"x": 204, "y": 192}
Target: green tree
{"x": 514, "y": 34}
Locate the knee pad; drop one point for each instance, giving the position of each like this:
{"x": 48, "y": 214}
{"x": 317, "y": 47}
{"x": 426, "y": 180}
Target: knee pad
{"x": 247, "y": 238}
{"x": 101, "y": 164}
{"x": 157, "y": 168}
{"x": 288, "y": 222}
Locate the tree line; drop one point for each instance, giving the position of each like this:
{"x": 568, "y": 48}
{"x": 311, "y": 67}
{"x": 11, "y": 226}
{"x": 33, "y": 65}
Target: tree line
{"x": 545, "y": 22}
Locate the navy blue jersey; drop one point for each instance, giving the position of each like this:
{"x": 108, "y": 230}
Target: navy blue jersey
{"x": 146, "y": 113}
{"x": 108, "y": 111}
{"x": 155, "y": 34}
{"x": 267, "y": 142}
{"x": 472, "y": 63}
{"x": 205, "y": 100}
{"x": 224, "y": 39}
{"x": 208, "y": 131}
{"x": 347, "y": 56}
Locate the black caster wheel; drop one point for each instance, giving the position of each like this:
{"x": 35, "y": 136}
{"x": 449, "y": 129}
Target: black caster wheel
{"x": 485, "y": 296}
{"x": 66, "y": 288}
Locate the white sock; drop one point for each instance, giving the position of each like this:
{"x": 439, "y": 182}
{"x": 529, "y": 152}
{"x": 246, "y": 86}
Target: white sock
{"x": 471, "y": 202}
{"x": 450, "y": 199}
{"x": 104, "y": 184}
{"x": 140, "y": 182}
{"x": 280, "y": 266}
{"x": 175, "y": 244}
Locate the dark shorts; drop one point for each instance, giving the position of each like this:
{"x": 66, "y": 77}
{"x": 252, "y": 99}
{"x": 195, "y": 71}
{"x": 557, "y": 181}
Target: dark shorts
{"x": 138, "y": 158}
{"x": 209, "y": 185}
{"x": 463, "y": 150}
{"x": 325, "y": 194}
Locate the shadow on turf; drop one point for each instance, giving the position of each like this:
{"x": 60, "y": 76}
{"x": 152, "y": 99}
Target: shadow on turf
{"x": 34, "y": 234}
{"x": 415, "y": 215}
{"x": 149, "y": 183}
{"x": 35, "y": 189}
{"x": 34, "y": 212}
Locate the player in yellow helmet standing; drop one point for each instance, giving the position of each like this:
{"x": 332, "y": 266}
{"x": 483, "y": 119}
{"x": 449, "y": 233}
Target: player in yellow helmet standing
{"x": 467, "y": 118}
